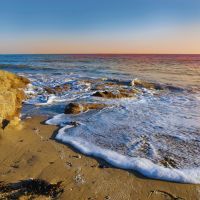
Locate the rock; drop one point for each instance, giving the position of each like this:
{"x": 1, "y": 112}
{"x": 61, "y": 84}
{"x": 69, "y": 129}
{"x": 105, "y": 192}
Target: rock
{"x": 79, "y": 179}
{"x": 58, "y": 89}
{"x": 122, "y": 93}
{"x": 111, "y": 83}
{"x": 11, "y": 96}
{"x": 76, "y": 108}
{"x": 119, "y": 82}
{"x": 147, "y": 85}
{"x": 62, "y": 88}
{"x": 49, "y": 90}
{"x": 156, "y": 86}
{"x": 74, "y": 123}
{"x": 104, "y": 86}
{"x": 174, "y": 88}
{"x": 168, "y": 162}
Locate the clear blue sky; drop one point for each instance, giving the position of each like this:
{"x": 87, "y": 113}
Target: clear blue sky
{"x": 99, "y": 26}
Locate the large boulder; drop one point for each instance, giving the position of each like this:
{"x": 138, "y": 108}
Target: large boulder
{"x": 76, "y": 108}
{"x": 11, "y": 96}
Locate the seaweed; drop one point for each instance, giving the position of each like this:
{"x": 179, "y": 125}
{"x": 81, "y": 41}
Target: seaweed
{"x": 30, "y": 188}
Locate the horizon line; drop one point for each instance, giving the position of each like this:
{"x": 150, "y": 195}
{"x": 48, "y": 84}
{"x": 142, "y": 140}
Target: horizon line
{"x": 99, "y": 53}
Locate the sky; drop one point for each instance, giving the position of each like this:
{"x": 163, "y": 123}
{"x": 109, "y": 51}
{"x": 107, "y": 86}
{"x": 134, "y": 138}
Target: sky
{"x": 100, "y": 26}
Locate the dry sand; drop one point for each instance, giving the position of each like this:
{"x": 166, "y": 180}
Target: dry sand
{"x": 30, "y": 151}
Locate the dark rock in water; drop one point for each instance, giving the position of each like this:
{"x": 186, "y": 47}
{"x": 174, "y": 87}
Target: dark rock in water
{"x": 119, "y": 82}
{"x": 58, "y": 89}
{"x": 111, "y": 83}
{"x": 147, "y": 85}
{"x": 62, "y": 88}
{"x": 74, "y": 123}
{"x": 49, "y": 90}
{"x": 156, "y": 86}
{"x": 169, "y": 162}
{"x": 122, "y": 93}
{"x": 174, "y": 88}
{"x": 104, "y": 86}
{"x": 76, "y": 108}
{"x": 33, "y": 188}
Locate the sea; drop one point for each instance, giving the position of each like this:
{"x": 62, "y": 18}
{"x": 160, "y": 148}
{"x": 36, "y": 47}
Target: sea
{"x": 156, "y": 132}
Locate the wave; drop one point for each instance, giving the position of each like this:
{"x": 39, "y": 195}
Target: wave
{"x": 24, "y": 67}
{"x": 141, "y": 165}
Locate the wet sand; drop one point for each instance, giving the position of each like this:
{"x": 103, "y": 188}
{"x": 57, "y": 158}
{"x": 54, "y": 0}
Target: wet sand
{"x": 30, "y": 151}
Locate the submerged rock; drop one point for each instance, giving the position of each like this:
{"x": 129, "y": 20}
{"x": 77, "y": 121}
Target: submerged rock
{"x": 76, "y": 108}
{"x": 122, "y": 93}
{"x": 11, "y": 96}
{"x": 119, "y": 82}
{"x": 111, "y": 83}
{"x": 58, "y": 89}
{"x": 156, "y": 86}
{"x": 147, "y": 85}
{"x": 168, "y": 162}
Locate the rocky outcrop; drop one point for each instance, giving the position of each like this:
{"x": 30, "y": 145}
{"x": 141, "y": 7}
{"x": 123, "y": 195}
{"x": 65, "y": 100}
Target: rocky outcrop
{"x": 147, "y": 85}
{"x": 59, "y": 89}
{"x": 122, "y": 93}
{"x": 111, "y": 84}
{"x": 11, "y": 96}
{"x": 76, "y": 108}
{"x": 155, "y": 86}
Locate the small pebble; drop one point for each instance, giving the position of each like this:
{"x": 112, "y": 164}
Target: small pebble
{"x": 77, "y": 156}
{"x": 102, "y": 166}
{"x": 69, "y": 164}
{"x": 15, "y": 166}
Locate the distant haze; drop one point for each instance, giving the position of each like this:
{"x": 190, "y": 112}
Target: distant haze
{"x": 100, "y": 26}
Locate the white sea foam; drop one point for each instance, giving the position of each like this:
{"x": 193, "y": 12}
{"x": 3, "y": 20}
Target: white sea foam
{"x": 141, "y": 165}
{"x": 145, "y": 133}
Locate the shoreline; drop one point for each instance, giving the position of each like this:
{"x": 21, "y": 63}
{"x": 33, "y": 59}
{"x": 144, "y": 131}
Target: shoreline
{"x": 30, "y": 151}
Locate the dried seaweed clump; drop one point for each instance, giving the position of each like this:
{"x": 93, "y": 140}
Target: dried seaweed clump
{"x": 30, "y": 189}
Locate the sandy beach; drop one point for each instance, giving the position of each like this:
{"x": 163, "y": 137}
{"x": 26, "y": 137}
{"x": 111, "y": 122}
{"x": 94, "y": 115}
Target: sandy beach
{"x": 99, "y": 100}
{"x": 30, "y": 151}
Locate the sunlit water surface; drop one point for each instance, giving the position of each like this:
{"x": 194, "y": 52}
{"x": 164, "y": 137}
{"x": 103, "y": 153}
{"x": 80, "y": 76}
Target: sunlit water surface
{"x": 156, "y": 132}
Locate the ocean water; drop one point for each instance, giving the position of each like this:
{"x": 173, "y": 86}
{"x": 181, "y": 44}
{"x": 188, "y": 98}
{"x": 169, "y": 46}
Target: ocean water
{"x": 156, "y": 132}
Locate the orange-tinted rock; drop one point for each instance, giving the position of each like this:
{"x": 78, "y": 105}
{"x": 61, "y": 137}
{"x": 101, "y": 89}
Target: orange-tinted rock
{"x": 145, "y": 84}
{"x": 11, "y": 95}
{"x": 76, "y": 108}
{"x": 122, "y": 93}
{"x": 58, "y": 89}
{"x": 111, "y": 83}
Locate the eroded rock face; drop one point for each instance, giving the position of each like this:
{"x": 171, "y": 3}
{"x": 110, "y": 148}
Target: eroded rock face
{"x": 11, "y": 95}
{"x": 76, "y": 108}
{"x": 122, "y": 93}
